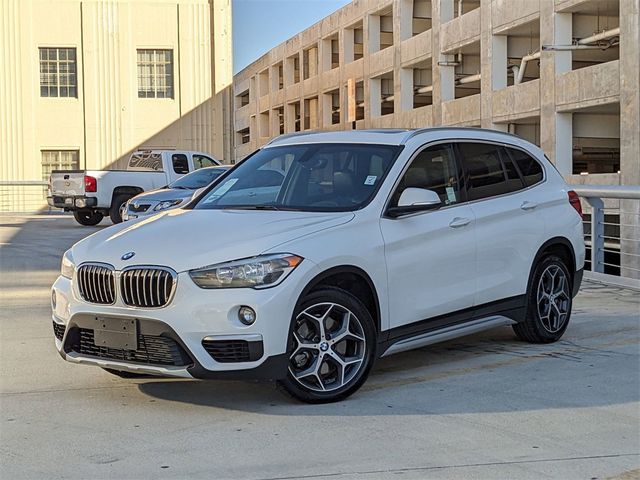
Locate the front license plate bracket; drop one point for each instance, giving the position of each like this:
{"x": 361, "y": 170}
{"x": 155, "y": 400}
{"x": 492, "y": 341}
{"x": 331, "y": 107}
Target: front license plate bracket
{"x": 116, "y": 333}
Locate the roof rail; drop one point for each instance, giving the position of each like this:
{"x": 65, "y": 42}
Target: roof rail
{"x": 469, "y": 129}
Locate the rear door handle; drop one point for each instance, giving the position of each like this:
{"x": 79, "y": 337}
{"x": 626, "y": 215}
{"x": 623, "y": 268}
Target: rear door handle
{"x": 528, "y": 205}
{"x": 459, "y": 222}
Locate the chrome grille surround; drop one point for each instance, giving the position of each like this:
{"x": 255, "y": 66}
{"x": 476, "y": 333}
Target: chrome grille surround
{"x": 97, "y": 283}
{"x": 147, "y": 286}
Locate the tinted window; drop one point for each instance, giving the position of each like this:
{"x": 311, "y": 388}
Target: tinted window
{"x": 200, "y": 161}
{"x": 145, "y": 161}
{"x": 180, "y": 163}
{"x": 487, "y": 176}
{"x": 530, "y": 169}
{"x": 433, "y": 169}
{"x": 198, "y": 179}
{"x": 334, "y": 177}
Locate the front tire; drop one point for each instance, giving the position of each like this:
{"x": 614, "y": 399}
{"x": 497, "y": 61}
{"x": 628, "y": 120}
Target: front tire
{"x": 116, "y": 210}
{"x": 332, "y": 347}
{"x": 88, "y": 218}
{"x": 549, "y": 302}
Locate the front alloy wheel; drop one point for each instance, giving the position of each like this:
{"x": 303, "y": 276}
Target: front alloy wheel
{"x": 331, "y": 347}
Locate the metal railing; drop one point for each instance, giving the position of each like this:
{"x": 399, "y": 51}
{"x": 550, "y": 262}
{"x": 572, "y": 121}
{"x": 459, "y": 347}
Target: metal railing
{"x": 612, "y": 233}
{"x": 23, "y": 196}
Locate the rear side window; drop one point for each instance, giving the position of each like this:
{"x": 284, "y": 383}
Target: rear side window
{"x": 489, "y": 170}
{"x": 145, "y": 161}
{"x": 180, "y": 163}
{"x": 530, "y": 169}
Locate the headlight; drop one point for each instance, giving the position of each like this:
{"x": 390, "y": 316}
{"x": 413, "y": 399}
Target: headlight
{"x": 167, "y": 204}
{"x": 67, "y": 267}
{"x": 257, "y": 272}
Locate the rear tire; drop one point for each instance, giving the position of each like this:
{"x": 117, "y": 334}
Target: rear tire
{"x": 88, "y": 218}
{"x": 549, "y": 302}
{"x": 332, "y": 347}
{"x": 115, "y": 212}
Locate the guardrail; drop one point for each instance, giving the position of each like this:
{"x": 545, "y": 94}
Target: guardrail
{"x": 608, "y": 238}
{"x": 23, "y": 196}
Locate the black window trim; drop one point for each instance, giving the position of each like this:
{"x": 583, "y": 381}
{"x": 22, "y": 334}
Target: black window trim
{"x": 464, "y": 192}
{"x": 506, "y": 145}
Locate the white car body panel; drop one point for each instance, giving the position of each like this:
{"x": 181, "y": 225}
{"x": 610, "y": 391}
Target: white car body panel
{"x": 418, "y": 265}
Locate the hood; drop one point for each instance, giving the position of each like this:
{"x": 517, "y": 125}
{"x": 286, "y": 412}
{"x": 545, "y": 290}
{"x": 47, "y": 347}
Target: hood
{"x": 187, "y": 239}
{"x": 163, "y": 194}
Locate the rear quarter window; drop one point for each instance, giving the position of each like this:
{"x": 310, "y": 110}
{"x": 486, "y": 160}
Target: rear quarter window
{"x": 529, "y": 167}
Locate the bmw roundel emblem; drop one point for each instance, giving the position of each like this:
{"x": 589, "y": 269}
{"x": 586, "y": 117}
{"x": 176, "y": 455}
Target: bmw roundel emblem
{"x": 128, "y": 255}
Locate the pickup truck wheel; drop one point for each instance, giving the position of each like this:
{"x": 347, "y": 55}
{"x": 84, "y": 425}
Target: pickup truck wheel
{"x": 117, "y": 207}
{"x": 88, "y": 218}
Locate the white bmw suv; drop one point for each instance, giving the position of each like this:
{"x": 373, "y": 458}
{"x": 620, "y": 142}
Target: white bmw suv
{"x": 322, "y": 252}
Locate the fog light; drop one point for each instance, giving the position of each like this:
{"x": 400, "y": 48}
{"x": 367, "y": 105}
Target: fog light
{"x": 54, "y": 300}
{"x": 247, "y": 315}
{"x": 81, "y": 202}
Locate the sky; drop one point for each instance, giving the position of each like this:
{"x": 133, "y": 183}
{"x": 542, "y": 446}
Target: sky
{"x": 260, "y": 25}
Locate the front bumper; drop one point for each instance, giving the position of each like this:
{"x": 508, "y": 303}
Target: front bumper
{"x": 71, "y": 202}
{"x": 193, "y": 317}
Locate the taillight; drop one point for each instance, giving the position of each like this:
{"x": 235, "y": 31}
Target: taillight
{"x": 90, "y": 184}
{"x": 574, "y": 200}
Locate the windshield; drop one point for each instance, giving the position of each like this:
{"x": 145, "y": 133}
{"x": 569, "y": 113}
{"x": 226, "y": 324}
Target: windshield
{"x": 198, "y": 179}
{"x": 326, "y": 177}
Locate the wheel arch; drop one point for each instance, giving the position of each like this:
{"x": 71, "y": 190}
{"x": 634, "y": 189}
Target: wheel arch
{"x": 353, "y": 280}
{"x": 560, "y": 246}
{"x": 127, "y": 190}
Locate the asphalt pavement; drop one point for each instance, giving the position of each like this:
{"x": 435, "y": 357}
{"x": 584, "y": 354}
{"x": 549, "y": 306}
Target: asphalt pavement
{"x": 486, "y": 406}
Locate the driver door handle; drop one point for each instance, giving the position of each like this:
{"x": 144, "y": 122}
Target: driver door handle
{"x": 458, "y": 222}
{"x": 528, "y": 205}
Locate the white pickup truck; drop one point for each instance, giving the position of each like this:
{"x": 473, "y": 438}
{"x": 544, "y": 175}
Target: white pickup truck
{"x": 93, "y": 194}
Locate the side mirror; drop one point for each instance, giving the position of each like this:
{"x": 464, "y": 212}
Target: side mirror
{"x": 415, "y": 200}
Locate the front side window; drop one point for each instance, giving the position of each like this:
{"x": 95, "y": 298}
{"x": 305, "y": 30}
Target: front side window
{"x": 486, "y": 171}
{"x": 155, "y": 73}
{"x": 201, "y": 161}
{"x": 180, "y": 163}
{"x": 59, "y": 160}
{"x": 328, "y": 177}
{"x": 58, "y": 72}
{"x": 433, "y": 169}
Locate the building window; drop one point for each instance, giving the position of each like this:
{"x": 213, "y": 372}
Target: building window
{"x": 155, "y": 73}
{"x": 59, "y": 160}
{"x": 58, "y": 72}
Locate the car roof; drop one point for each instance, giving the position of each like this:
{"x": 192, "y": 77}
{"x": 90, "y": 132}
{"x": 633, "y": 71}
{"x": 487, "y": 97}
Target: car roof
{"x": 384, "y": 136}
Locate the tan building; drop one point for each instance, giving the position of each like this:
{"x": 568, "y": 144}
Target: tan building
{"x": 562, "y": 73}
{"x": 84, "y": 82}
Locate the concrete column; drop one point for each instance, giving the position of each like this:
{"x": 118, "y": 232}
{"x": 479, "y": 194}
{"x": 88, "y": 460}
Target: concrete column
{"x": 563, "y": 23}
{"x": 289, "y": 117}
{"x": 548, "y": 80}
{"x": 373, "y": 41}
{"x": 406, "y": 19}
{"x": 564, "y": 143}
{"x": 443, "y": 77}
{"x": 313, "y": 61}
{"x": 347, "y": 36}
{"x": 630, "y": 135}
{"x": 406, "y": 88}
{"x": 313, "y": 114}
{"x": 498, "y": 62}
{"x": 375, "y": 91}
{"x": 486, "y": 64}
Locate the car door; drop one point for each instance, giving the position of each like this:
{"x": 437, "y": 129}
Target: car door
{"x": 508, "y": 228}
{"x": 431, "y": 255}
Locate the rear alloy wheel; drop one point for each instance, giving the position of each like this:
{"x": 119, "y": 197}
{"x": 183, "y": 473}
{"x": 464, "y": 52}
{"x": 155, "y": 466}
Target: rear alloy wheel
{"x": 549, "y": 303}
{"x": 332, "y": 347}
{"x": 88, "y": 218}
